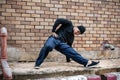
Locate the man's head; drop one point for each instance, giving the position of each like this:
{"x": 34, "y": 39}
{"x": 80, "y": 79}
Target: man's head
{"x": 79, "y": 30}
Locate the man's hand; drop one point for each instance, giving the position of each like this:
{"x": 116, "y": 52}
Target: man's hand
{"x": 54, "y": 34}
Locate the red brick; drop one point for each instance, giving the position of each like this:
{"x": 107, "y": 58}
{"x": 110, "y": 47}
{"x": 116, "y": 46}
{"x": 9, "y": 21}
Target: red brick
{"x": 109, "y": 76}
{"x": 6, "y": 14}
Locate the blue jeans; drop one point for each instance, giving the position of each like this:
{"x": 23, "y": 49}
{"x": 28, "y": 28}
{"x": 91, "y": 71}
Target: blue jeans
{"x": 64, "y": 48}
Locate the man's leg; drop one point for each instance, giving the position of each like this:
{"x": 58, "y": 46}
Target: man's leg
{"x": 48, "y": 46}
{"x": 70, "y": 52}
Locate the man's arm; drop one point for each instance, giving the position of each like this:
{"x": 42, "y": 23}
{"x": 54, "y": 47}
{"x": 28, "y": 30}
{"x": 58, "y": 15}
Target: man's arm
{"x": 58, "y": 23}
{"x": 58, "y": 27}
{"x": 53, "y": 33}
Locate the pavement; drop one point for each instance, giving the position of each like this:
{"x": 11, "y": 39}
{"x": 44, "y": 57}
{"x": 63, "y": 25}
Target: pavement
{"x": 26, "y": 71}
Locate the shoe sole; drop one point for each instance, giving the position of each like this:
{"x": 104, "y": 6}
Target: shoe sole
{"x": 36, "y": 67}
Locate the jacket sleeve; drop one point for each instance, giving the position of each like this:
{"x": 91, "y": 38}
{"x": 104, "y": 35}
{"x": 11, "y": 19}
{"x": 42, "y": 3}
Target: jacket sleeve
{"x": 59, "y": 21}
{"x": 70, "y": 44}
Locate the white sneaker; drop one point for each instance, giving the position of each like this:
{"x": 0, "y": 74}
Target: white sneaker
{"x": 36, "y": 67}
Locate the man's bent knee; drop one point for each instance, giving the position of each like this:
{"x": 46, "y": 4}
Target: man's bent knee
{"x": 48, "y": 47}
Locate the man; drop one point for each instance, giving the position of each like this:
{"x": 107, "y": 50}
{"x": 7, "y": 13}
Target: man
{"x": 61, "y": 39}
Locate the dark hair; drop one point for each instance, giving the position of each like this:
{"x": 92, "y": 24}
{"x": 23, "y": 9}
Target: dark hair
{"x": 82, "y": 29}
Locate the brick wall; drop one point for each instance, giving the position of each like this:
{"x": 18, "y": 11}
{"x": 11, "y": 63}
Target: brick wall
{"x": 29, "y": 22}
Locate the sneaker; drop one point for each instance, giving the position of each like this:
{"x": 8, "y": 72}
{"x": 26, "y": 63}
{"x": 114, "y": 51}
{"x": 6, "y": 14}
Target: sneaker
{"x": 93, "y": 64}
{"x": 36, "y": 67}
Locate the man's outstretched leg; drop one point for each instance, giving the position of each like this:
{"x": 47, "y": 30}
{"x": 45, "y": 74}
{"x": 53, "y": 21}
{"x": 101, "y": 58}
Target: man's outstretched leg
{"x": 70, "y": 52}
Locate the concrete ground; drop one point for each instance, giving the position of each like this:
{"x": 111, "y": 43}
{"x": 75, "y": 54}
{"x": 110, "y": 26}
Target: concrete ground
{"x": 26, "y": 71}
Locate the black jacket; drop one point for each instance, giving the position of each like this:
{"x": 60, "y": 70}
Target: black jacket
{"x": 65, "y": 32}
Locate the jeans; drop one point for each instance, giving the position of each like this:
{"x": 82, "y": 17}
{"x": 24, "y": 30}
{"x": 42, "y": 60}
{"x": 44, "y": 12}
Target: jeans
{"x": 64, "y": 48}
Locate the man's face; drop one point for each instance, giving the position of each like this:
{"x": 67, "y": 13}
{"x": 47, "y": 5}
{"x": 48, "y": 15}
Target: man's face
{"x": 76, "y": 31}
